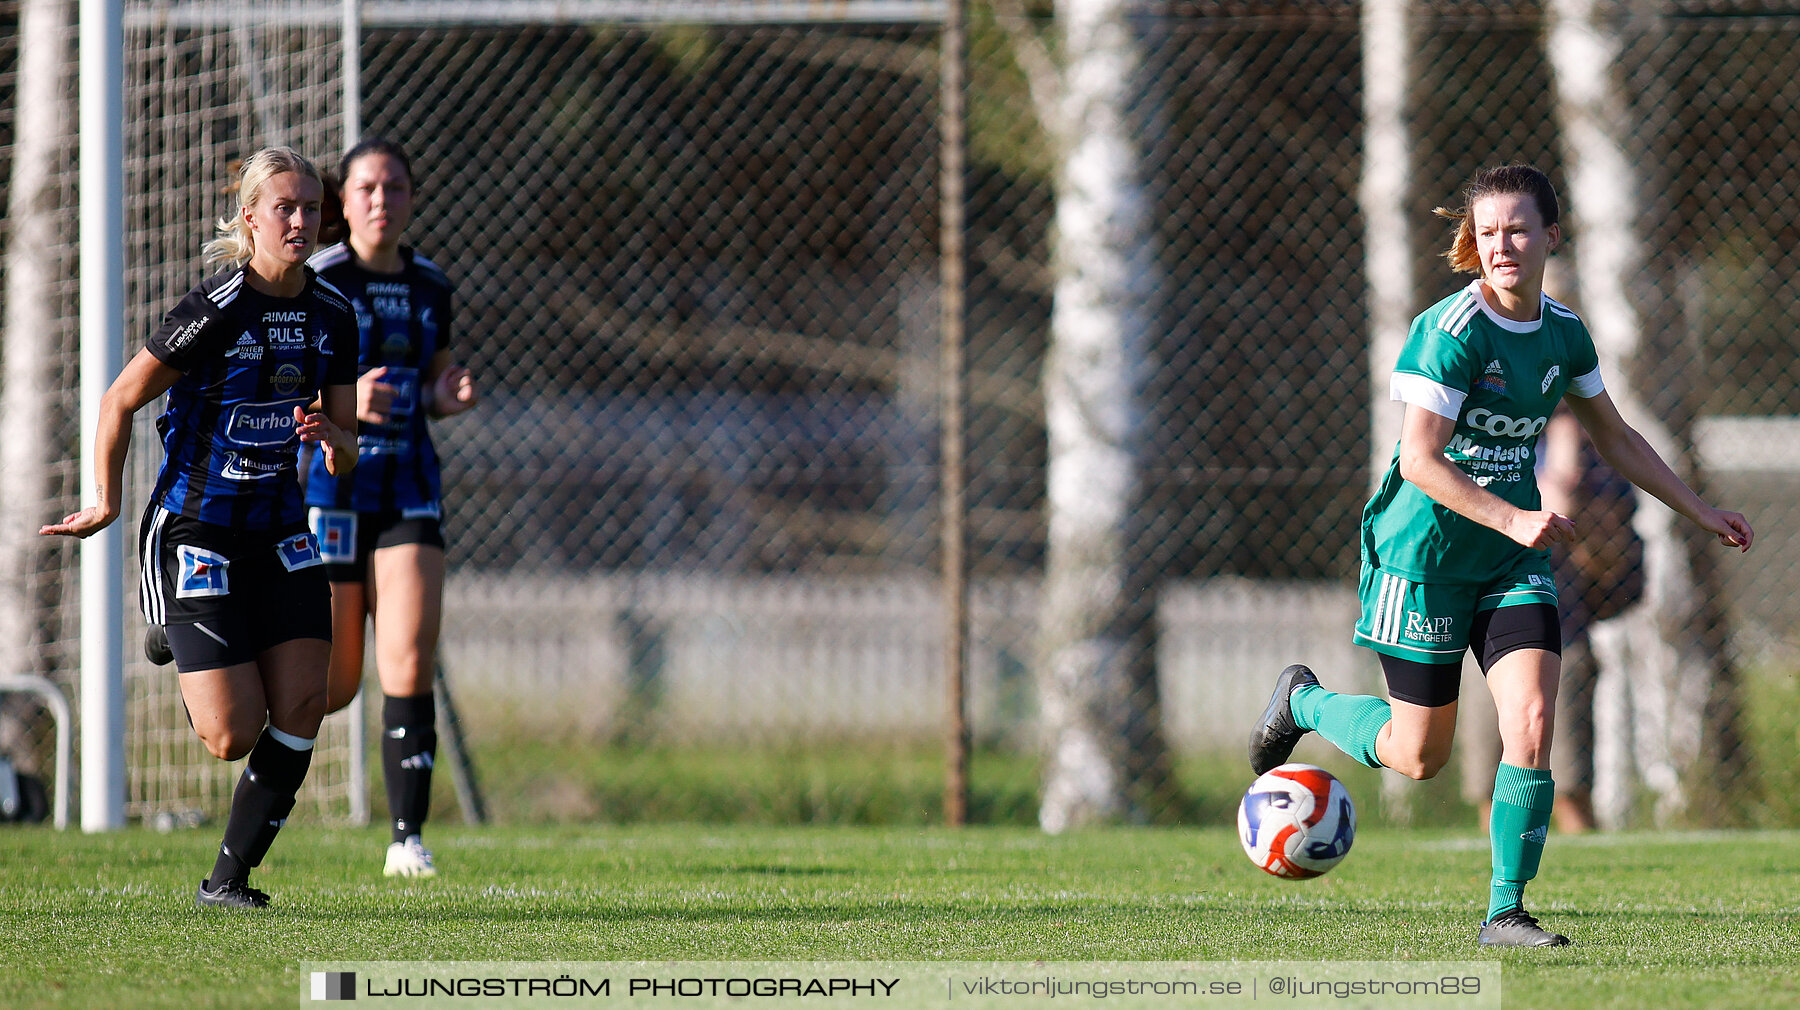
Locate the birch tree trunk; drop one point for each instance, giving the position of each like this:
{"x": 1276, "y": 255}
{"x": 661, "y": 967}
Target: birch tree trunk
{"x": 1684, "y": 700}
{"x": 33, "y": 212}
{"x": 1385, "y": 194}
{"x": 1107, "y": 758}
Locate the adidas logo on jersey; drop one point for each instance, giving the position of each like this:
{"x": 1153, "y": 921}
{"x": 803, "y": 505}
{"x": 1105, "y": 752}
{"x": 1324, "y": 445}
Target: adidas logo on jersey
{"x": 248, "y": 348}
{"x": 1493, "y": 378}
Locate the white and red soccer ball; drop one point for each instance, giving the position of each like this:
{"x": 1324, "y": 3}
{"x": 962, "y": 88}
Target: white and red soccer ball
{"x": 1296, "y": 821}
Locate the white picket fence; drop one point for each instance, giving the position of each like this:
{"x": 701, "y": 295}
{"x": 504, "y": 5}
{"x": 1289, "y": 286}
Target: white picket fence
{"x": 740, "y": 658}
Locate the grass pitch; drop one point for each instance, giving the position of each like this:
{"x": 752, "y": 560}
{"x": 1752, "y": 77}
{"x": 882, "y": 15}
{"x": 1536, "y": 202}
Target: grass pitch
{"x": 1665, "y": 920}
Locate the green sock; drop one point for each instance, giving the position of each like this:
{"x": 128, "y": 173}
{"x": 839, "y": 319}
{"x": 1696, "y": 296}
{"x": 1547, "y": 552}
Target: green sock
{"x": 1350, "y": 721}
{"x": 1517, "y": 829}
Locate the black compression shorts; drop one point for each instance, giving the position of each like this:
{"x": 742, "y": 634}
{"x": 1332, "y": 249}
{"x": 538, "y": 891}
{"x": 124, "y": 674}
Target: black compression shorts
{"x": 1493, "y": 634}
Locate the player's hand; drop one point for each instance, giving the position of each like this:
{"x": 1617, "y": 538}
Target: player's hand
{"x": 1732, "y": 529}
{"x": 453, "y": 391}
{"x": 374, "y": 398}
{"x": 338, "y": 445}
{"x": 1540, "y": 529}
{"x": 82, "y": 524}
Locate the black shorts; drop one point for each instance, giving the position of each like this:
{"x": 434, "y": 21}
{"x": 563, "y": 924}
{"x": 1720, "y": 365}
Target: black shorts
{"x": 1493, "y": 634}
{"x": 347, "y": 537}
{"x": 225, "y": 596}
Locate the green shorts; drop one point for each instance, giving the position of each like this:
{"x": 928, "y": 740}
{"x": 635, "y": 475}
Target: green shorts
{"x": 1428, "y": 622}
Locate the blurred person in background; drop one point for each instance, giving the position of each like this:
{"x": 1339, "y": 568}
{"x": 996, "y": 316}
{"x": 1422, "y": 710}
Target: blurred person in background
{"x": 1599, "y": 575}
{"x": 381, "y": 530}
{"x": 1455, "y": 542}
{"x": 233, "y": 582}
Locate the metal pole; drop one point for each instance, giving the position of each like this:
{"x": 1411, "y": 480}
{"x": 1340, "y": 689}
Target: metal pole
{"x": 462, "y": 767}
{"x": 358, "y": 714}
{"x": 58, "y": 707}
{"x": 953, "y": 391}
{"x": 102, "y": 231}
{"x": 443, "y": 13}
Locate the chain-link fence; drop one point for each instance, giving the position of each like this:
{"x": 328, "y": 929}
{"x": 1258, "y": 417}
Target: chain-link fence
{"x": 694, "y": 527}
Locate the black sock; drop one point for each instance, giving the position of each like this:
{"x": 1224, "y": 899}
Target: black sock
{"x": 227, "y": 867}
{"x": 408, "y": 747}
{"x": 261, "y": 804}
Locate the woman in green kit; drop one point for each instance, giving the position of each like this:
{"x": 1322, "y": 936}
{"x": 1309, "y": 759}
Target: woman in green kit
{"x": 1455, "y": 541}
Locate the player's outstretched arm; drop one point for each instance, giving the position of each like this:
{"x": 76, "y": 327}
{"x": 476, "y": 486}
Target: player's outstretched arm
{"x": 1628, "y": 452}
{"x": 143, "y": 379}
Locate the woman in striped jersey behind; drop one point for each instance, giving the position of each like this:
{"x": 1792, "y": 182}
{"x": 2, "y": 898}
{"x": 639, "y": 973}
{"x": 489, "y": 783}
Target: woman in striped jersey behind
{"x": 380, "y": 528}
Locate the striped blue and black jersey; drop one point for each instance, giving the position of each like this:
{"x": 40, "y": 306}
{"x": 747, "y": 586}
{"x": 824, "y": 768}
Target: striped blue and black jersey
{"x": 246, "y": 359}
{"x": 403, "y": 320}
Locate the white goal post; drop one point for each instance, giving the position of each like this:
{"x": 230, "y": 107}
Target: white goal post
{"x": 102, "y": 44}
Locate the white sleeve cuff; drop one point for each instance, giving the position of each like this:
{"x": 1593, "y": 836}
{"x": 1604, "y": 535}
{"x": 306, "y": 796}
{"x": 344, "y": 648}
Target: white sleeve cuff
{"x": 1410, "y": 387}
{"x": 1588, "y": 386}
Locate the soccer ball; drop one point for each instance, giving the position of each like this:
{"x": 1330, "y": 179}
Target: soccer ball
{"x": 1296, "y": 821}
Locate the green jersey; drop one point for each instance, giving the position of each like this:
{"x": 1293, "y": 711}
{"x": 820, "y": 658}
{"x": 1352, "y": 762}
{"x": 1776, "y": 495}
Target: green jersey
{"x": 1500, "y": 379}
